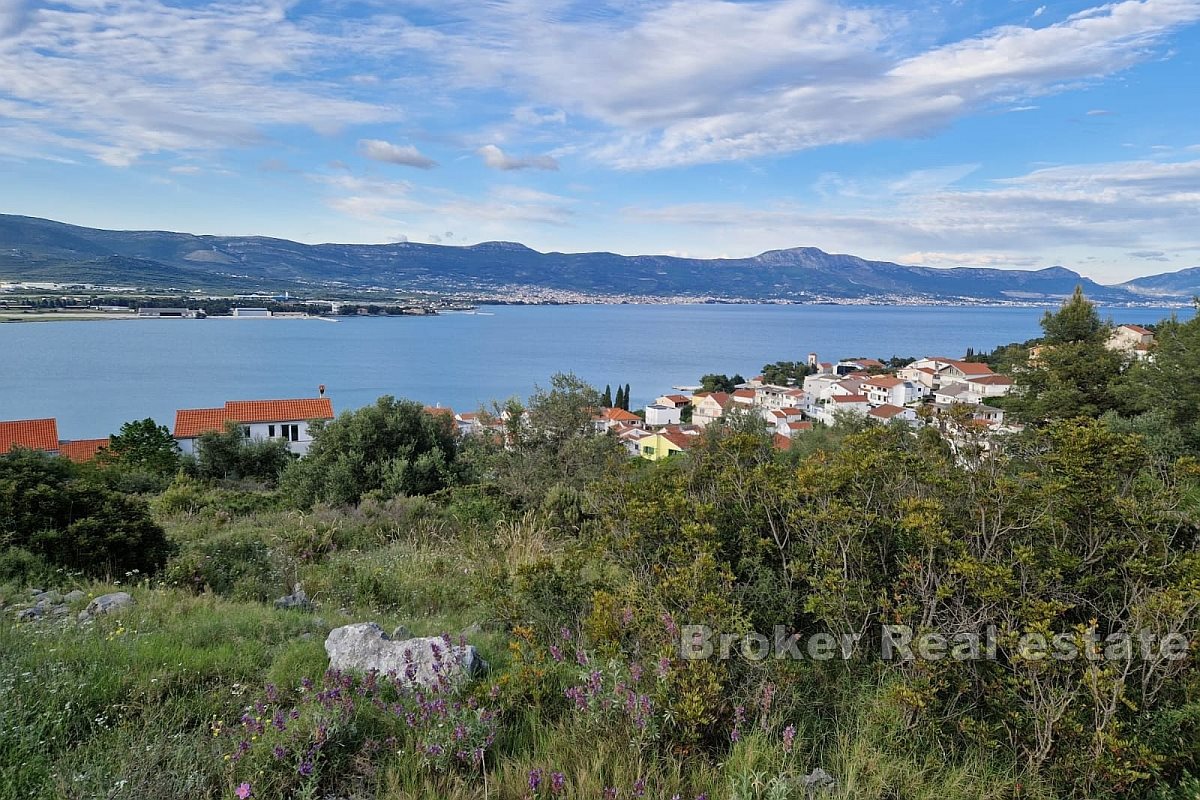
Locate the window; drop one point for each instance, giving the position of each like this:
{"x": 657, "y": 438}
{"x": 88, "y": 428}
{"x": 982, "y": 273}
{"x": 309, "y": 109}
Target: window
{"x": 246, "y": 431}
{"x": 648, "y": 451}
{"x": 290, "y": 432}
{"x": 270, "y": 431}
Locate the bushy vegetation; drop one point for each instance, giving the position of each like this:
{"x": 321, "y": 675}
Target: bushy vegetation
{"x": 579, "y": 574}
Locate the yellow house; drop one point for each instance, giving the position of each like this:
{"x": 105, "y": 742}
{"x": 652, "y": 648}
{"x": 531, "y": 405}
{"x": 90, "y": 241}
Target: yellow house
{"x": 664, "y": 444}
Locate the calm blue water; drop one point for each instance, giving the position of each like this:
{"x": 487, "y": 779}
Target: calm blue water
{"x": 93, "y": 376}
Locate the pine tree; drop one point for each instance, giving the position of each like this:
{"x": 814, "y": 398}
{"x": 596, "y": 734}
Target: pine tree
{"x": 626, "y": 398}
{"x": 606, "y": 399}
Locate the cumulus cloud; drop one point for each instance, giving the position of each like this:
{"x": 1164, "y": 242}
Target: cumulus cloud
{"x": 403, "y": 155}
{"x": 495, "y": 158}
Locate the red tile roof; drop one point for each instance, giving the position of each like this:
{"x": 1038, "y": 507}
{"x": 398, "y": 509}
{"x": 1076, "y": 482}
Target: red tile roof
{"x": 1138, "y": 329}
{"x": 81, "y": 450}
{"x": 992, "y": 380}
{"x": 35, "y": 434}
{"x": 620, "y": 415}
{"x": 799, "y": 426}
{"x": 680, "y": 440}
{"x": 744, "y": 393}
{"x": 191, "y": 422}
{"x": 439, "y": 410}
{"x": 971, "y": 367}
{"x": 884, "y": 382}
{"x": 886, "y": 411}
{"x": 280, "y": 410}
{"x": 780, "y": 442}
{"x": 849, "y": 398}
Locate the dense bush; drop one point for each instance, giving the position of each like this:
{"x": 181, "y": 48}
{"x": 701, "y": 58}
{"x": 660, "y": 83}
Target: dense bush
{"x": 393, "y": 447}
{"x": 51, "y": 508}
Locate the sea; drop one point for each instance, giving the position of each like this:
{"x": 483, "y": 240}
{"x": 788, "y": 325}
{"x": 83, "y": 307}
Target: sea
{"x": 95, "y": 375}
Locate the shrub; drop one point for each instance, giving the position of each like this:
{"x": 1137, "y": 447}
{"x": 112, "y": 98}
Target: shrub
{"x": 50, "y": 508}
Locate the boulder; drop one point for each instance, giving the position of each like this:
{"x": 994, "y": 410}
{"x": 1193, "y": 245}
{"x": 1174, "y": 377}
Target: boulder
{"x": 818, "y": 782}
{"x": 297, "y": 599}
{"x": 74, "y": 596}
{"x": 50, "y": 596}
{"x": 31, "y": 614}
{"x": 106, "y": 604}
{"x": 423, "y": 662}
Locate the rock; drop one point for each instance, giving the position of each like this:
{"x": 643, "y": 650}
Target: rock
{"x": 50, "y": 596}
{"x": 106, "y": 604}
{"x": 31, "y": 614}
{"x": 401, "y": 633}
{"x": 818, "y": 782}
{"x": 297, "y": 599}
{"x": 36, "y": 592}
{"x": 60, "y": 610}
{"x": 74, "y": 596}
{"x": 419, "y": 662}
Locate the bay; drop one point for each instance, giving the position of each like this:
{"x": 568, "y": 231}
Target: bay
{"x": 95, "y": 375}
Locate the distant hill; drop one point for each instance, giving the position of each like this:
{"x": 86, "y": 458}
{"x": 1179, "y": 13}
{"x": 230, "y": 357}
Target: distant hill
{"x": 1181, "y": 285}
{"x": 34, "y": 249}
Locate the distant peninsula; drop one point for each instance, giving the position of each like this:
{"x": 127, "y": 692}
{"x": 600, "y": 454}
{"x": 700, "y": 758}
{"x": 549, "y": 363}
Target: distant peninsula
{"x": 36, "y": 250}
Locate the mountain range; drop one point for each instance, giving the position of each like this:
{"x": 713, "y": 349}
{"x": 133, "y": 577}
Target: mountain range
{"x": 40, "y": 250}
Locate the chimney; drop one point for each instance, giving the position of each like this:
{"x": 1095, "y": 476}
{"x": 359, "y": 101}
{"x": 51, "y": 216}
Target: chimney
{"x": 812, "y": 360}
{"x": 321, "y": 390}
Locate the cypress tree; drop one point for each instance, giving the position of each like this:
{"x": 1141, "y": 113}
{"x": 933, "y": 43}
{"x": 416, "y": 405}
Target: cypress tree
{"x": 626, "y": 398}
{"x": 620, "y": 401}
{"x": 607, "y": 399}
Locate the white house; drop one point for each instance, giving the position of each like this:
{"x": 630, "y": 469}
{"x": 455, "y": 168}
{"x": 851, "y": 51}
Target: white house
{"x": 890, "y": 390}
{"x": 1131, "y": 339}
{"x": 888, "y": 413}
{"x": 657, "y": 414}
{"x": 259, "y": 419}
{"x": 989, "y": 386}
{"x": 710, "y": 407}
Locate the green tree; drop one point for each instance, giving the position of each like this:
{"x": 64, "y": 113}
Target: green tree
{"x": 230, "y": 455}
{"x": 606, "y": 400}
{"x": 1074, "y": 374}
{"x": 625, "y": 398}
{"x": 393, "y": 447}
{"x": 1169, "y": 382}
{"x": 143, "y": 445}
{"x": 720, "y": 383}
{"x": 52, "y": 508}
{"x": 619, "y": 402}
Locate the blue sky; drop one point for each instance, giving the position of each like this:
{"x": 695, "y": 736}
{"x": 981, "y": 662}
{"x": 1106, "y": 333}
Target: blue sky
{"x": 971, "y": 132}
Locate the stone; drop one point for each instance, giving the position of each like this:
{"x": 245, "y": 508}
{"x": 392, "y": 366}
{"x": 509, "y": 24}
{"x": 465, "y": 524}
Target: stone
{"x": 401, "y": 633}
{"x": 36, "y": 592}
{"x": 298, "y": 599}
{"x": 74, "y": 596}
{"x": 31, "y": 614}
{"x": 50, "y": 596}
{"x": 424, "y": 662}
{"x": 818, "y": 782}
{"x": 106, "y": 604}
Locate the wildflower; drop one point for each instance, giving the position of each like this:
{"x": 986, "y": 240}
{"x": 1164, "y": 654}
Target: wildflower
{"x": 535, "y": 779}
{"x": 558, "y": 783}
{"x": 639, "y": 787}
{"x": 789, "y": 738}
{"x": 244, "y": 791}
{"x": 305, "y": 769}
{"x": 556, "y": 653}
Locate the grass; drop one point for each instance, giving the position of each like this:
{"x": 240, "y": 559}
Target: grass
{"x": 124, "y": 707}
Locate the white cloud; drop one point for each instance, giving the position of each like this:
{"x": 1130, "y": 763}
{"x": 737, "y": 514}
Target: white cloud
{"x": 495, "y": 158}
{"x": 679, "y": 82}
{"x": 122, "y": 79}
{"x": 1119, "y": 208}
{"x": 14, "y": 15}
{"x": 403, "y": 155}
{"x": 998, "y": 260}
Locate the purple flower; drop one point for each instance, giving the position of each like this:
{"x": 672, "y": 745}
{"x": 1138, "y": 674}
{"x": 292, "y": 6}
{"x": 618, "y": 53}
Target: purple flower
{"x": 558, "y": 783}
{"x": 305, "y": 769}
{"x": 789, "y": 738}
{"x": 535, "y": 779}
{"x": 555, "y": 653}
{"x": 244, "y": 791}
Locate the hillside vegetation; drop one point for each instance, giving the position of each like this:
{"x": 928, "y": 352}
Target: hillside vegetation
{"x": 579, "y": 574}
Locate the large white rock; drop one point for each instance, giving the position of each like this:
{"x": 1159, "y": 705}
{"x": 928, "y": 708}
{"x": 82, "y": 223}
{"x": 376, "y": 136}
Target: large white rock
{"x": 424, "y": 662}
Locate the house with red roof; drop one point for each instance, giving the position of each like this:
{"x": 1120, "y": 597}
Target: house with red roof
{"x": 890, "y": 390}
{"x": 259, "y": 419}
{"x": 1134, "y": 340}
{"x": 82, "y": 450}
{"x": 710, "y": 408}
{"x": 31, "y": 434}
{"x": 887, "y": 413}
